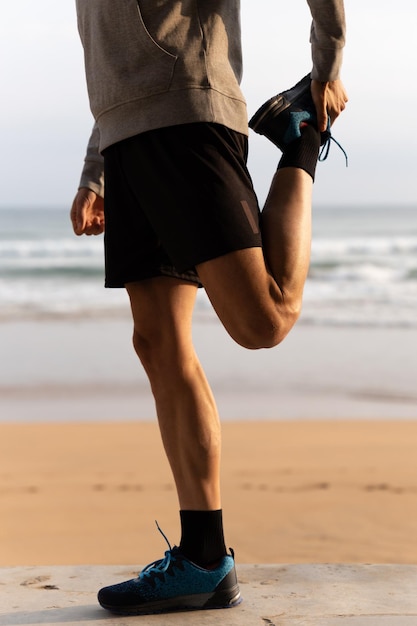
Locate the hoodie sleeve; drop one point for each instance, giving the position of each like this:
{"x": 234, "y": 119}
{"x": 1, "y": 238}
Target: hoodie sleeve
{"x": 327, "y": 38}
{"x": 92, "y": 176}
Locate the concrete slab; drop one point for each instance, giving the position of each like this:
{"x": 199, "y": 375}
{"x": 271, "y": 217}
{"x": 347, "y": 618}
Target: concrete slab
{"x": 274, "y": 595}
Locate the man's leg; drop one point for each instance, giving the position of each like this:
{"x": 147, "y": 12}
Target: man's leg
{"x": 187, "y": 415}
{"x": 259, "y": 299}
{"x": 257, "y": 294}
{"x": 199, "y": 574}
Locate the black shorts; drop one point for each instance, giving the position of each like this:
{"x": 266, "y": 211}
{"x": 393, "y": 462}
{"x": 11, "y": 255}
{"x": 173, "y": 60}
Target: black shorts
{"x": 176, "y": 197}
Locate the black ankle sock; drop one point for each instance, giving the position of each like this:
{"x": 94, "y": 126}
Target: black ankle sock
{"x": 303, "y": 152}
{"x": 202, "y": 539}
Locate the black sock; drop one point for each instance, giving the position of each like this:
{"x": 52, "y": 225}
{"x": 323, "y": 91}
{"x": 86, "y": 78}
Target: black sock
{"x": 303, "y": 152}
{"x": 202, "y": 539}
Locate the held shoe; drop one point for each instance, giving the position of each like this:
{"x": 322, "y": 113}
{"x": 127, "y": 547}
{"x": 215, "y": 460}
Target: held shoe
{"x": 282, "y": 117}
{"x": 174, "y": 584}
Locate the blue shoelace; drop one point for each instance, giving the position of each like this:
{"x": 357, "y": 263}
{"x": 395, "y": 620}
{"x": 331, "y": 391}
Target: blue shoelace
{"x": 157, "y": 567}
{"x": 160, "y": 566}
{"x": 325, "y": 149}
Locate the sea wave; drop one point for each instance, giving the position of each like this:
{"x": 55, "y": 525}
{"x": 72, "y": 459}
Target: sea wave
{"x": 53, "y": 251}
{"x": 353, "y": 279}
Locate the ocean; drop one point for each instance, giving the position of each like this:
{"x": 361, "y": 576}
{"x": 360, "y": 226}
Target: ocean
{"x": 363, "y": 269}
{"x": 66, "y": 341}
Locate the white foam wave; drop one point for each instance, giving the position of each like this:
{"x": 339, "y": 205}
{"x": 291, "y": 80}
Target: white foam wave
{"x": 50, "y": 248}
{"x": 361, "y": 247}
{"x": 353, "y": 278}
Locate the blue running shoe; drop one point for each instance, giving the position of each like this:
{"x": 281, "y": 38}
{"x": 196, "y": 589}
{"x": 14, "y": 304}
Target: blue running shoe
{"x": 174, "y": 584}
{"x": 281, "y": 118}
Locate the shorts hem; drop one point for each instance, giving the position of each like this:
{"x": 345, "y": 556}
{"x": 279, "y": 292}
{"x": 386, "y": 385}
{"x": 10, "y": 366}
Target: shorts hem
{"x": 189, "y": 277}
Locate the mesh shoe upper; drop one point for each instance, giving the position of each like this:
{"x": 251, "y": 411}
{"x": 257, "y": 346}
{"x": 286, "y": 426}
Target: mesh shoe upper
{"x": 173, "y": 577}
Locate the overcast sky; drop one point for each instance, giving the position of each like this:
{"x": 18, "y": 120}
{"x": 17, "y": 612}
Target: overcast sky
{"x": 45, "y": 119}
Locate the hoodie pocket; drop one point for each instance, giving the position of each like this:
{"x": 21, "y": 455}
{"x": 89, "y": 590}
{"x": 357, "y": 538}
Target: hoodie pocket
{"x": 123, "y": 61}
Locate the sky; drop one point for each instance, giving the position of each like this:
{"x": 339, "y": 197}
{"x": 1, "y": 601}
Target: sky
{"x": 45, "y": 119}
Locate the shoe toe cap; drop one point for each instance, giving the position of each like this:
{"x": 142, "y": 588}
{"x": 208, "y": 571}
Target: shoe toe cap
{"x": 120, "y": 595}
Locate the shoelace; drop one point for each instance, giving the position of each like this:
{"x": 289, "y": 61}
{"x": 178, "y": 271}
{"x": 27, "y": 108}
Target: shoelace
{"x": 160, "y": 566}
{"x": 324, "y": 152}
{"x": 157, "y": 567}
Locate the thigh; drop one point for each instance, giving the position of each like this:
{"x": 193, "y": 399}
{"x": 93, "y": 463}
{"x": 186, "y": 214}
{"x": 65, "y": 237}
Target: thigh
{"x": 246, "y": 298}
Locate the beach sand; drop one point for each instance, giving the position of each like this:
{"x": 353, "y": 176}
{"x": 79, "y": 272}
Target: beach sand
{"x": 319, "y": 452}
{"x": 293, "y": 491}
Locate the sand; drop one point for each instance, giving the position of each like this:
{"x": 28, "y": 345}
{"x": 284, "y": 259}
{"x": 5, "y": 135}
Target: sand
{"x": 293, "y": 492}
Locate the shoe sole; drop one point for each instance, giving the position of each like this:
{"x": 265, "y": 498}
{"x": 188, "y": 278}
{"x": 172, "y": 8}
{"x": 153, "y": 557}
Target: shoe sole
{"x": 195, "y": 602}
{"x": 276, "y": 104}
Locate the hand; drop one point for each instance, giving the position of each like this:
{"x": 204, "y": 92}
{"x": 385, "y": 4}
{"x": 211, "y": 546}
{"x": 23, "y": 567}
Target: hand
{"x": 330, "y": 99}
{"x": 87, "y": 213}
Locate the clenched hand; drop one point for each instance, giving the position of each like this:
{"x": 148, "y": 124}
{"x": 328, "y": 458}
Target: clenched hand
{"x": 87, "y": 213}
{"x": 330, "y": 99}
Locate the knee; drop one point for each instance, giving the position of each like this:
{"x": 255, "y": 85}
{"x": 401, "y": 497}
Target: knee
{"x": 140, "y": 345}
{"x": 256, "y": 339}
{"x": 148, "y": 347}
{"x": 264, "y": 333}
{"x": 160, "y": 353}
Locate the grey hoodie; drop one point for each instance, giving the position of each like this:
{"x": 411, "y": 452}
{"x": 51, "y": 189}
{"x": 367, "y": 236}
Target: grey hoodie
{"x": 156, "y": 63}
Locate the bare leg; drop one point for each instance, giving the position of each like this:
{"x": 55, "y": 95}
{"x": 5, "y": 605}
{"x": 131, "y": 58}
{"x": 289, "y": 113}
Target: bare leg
{"x": 258, "y": 301}
{"x": 187, "y": 415}
{"x": 257, "y": 295}
{"x": 286, "y": 231}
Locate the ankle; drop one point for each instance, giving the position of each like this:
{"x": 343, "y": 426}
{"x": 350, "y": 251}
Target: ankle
{"x": 202, "y": 538}
{"x": 303, "y": 152}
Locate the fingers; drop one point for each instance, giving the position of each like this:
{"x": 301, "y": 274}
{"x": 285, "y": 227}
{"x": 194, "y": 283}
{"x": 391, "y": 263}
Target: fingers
{"x": 330, "y": 99}
{"x": 322, "y": 116}
{"x": 318, "y": 93}
{"x": 336, "y": 100}
{"x": 77, "y": 215}
{"x": 87, "y": 213}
